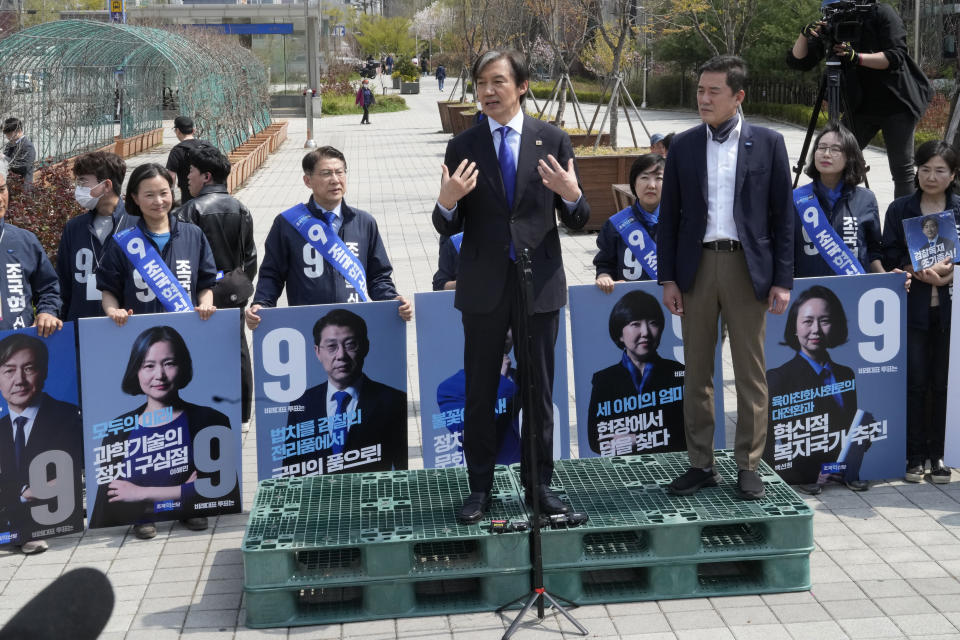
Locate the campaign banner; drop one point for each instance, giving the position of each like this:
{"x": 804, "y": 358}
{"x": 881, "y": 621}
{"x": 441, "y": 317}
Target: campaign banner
{"x": 331, "y": 389}
{"x": 161, "y": 417}
{"x": 836, "y": 376}
{"x": 41, "y": 450}
{"x": 931, "y": 239}
{"x": 951, "y": 451}
{"x": 628, "y": 372}
{"x": 442, "y": 387}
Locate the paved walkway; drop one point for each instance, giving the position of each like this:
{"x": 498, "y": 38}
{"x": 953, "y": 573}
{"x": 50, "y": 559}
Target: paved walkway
{"x": 886, "y": 562}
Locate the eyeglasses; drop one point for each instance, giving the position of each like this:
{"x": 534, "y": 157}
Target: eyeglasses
{"x": 326, "y": 174}
{"x": 351, "y": 346}
{"x": 829, "y": 149}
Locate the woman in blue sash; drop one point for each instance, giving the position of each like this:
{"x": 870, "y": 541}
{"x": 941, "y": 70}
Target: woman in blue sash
{"x": 618, "y": 259}
{"x": 159, "y": 461}
{"x": 837, "y": 168}
{"x": 161, "y": 264}
{"x": 928, "y": 309}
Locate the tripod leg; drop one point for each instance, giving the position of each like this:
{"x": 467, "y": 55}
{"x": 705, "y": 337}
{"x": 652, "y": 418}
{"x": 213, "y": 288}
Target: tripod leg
{"x": 566, "y": 614}
{"x": 516, "y": 621}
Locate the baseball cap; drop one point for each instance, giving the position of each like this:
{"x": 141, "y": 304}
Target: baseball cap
{"x": 655, "y": 138}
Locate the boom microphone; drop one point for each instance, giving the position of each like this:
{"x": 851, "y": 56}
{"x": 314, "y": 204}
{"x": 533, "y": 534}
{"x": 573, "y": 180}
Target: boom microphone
{"x": 77, "y": 605}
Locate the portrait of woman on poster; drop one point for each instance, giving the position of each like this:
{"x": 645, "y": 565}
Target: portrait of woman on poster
{"x": 816, "y": 322}
{"x": 636, "y": 327}
{"x": 158, "y": 368}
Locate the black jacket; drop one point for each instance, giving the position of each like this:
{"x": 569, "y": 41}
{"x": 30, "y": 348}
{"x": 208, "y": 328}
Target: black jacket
{"x": 228, "y": 226}
{"x": 883, "y": 31}
{"x": 28, "y": 281}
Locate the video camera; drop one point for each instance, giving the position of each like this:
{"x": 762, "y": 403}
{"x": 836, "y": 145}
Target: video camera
{"x": 842, "y": 20}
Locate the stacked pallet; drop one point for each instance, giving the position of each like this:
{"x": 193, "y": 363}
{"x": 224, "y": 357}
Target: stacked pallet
{"x": 355, "y": 547}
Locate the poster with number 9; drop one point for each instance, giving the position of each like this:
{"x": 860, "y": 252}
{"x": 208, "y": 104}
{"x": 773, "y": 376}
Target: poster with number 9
{"x": 40, "y": 445}
{"x": 161, "y": 419}
{"x": 331, "y": 389}
{"x": 836, "y": 376}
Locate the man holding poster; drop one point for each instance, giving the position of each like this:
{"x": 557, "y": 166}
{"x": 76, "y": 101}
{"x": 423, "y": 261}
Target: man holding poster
{"x": 36, "y": 424}
{"x": 324, "y": 251}
{"x": 363, "y": 422}
{"x": 725, "y": 245}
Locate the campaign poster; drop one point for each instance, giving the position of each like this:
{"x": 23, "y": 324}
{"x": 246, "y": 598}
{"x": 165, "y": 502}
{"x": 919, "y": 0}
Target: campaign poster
{"x": 628, "y": 372}
{"x": 161, "y": 417}
{"x": 41, "y": 449}
{"x": 836, "y": 375}
{"x": 442, "y": 387}
{"x": 931, "y": 239}
{"x": 331, "y": 389}
{"x": 951, "y": 452}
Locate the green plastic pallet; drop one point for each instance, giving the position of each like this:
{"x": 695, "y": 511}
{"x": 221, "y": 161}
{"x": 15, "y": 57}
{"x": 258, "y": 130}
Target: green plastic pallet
{"x": 384, "y": 599}
{"x": 607, "y": 584}
{"x": 633, "y": 520}
{"x": 351, "y": 529}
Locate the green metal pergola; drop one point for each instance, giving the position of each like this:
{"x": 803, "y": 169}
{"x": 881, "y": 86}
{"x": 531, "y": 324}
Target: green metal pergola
{"x": 78, "y": 83}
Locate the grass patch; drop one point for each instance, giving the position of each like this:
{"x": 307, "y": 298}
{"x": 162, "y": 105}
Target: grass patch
{"x": 334, "y": 105}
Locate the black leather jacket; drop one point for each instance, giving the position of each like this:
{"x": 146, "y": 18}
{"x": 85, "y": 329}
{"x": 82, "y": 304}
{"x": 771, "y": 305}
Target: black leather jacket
{"x": 228, "y": 226}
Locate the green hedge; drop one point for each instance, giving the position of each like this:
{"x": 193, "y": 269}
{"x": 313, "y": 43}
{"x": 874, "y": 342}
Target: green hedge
{"x": 339, "y": 105}
{"x": 800, "y": 114}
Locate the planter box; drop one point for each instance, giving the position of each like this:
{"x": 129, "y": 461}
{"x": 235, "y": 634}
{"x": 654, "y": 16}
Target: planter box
{"x": 584, "y": 140}
{"x": 409, "y": 88}
{"x": 396, "y": 82}
{"x": 126, "y": 147}
{"x": 597, "y": 173}
{"x": 444, "y": 107}
{"x": 461, "y": 120}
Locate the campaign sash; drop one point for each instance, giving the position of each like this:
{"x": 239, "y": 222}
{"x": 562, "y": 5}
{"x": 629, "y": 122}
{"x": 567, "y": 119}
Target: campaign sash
{"x": 824, "y": 237}
{"x": 642, "y": 246}
{"x": 154, "y": 271}
{"x": 329, "y": 245}
{"x": 457, "y": 240}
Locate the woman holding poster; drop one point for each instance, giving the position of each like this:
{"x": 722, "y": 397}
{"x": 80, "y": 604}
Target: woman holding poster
{"x": 636, "y": 405}
{"x": 834, "y": 202}
{"x": 928, "y": 309}
{"x": 813, "y": 400}
{"x": 160, "y": 264}
{"x": 162, "y": 460}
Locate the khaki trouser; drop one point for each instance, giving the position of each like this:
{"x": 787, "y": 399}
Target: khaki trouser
{"x": 723, "y": 285}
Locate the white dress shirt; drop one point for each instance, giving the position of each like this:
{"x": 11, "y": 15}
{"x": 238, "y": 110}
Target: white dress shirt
{"x": 30, "y": 413}
{"x": 721, "y": 184}
{"x": 353, "y": 390}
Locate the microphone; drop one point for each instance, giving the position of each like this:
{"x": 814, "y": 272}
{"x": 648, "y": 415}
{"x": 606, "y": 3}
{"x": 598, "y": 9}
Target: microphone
{"x": 77, "y": 605}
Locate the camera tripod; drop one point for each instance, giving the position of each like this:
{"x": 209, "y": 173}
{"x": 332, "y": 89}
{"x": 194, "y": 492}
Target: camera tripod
{"x": 831, "y": 88}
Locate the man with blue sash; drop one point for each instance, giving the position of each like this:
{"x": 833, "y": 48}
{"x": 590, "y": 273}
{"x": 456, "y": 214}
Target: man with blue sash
{"x": 445, "y": 279}
{"x": 324, "y": 251}
{"x": 626, "y": 243}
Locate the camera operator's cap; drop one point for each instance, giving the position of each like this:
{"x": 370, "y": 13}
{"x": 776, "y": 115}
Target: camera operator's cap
{"x": 655, "y": 138}
{"x": 183, "y": 123}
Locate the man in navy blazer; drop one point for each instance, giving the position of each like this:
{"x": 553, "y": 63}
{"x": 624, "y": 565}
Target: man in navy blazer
{"x": 505, "y": 198}
{"x": 725, "y": 245}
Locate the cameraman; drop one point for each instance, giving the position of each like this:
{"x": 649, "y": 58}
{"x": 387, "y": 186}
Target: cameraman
{"x": 885, "y": 89}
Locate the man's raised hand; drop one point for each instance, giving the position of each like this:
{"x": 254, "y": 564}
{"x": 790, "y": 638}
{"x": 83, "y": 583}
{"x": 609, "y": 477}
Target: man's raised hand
{"x": 458, "y": 184}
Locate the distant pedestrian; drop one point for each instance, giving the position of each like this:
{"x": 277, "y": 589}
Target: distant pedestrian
{"x": 389, "y": 63}
{"x": 365, "y": 98}
{"x": 177, "y": 160}
{"x": 19, "y": 151}
{"x": 423, "y": 66}
{"x": 441, "y": 75}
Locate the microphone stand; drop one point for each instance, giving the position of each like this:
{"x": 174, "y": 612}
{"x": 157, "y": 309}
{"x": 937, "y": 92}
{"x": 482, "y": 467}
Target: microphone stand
{"x": 524, "y": 343}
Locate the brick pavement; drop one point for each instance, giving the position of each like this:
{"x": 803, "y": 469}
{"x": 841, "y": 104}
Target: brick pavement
{"x": 886, "y": 562}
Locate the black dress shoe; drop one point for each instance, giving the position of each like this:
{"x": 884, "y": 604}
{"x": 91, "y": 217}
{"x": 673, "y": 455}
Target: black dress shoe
{"x": 692, "y": 481}
{"x": 749, "y": 485}
{"x": 550, "y": 504}
{"x": 476, "y": 504}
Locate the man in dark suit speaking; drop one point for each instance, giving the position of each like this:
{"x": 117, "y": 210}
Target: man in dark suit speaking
{"x": 503, "y": 183}
{"x": 366, "y": 420}
{"x": 725, "y": 246}
{"x": 34, "y": 425}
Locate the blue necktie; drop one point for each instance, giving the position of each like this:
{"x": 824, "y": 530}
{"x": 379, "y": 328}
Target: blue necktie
{"x": 330, "y": 219}
{"x": 508, "y": 171}
{"x": 342, "y": 398}
{"x": 20, "y": 444}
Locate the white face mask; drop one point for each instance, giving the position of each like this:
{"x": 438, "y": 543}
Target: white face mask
{"x": 83, "y": 197}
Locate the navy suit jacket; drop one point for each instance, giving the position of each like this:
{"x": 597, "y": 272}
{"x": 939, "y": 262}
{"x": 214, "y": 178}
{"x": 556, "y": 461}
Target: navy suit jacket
{"x": 762, "y": 208}
{"x": 383, "y": 411}
{"x": 489, "y": 225}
